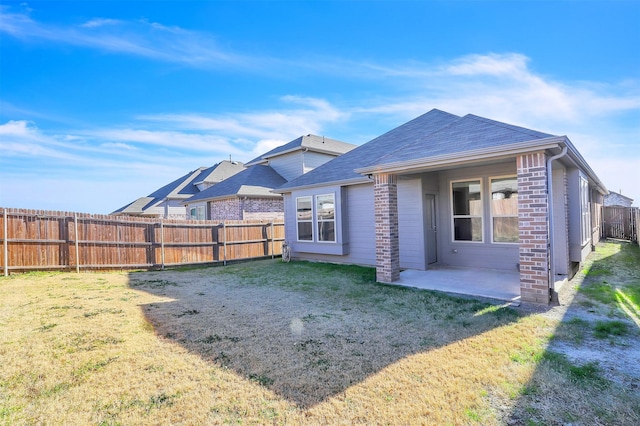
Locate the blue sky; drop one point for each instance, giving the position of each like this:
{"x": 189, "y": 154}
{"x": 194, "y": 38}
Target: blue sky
{"x": 102, "y": 102}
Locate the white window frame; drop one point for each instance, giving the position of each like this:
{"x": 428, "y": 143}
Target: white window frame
{"x": 454, "y": 216}
{"x": 311, "y": 220}
{"x": 492, "y": 215}
{"x": 200, "y": 213}
{"x": 318, "y": 221}
{"x": 585, "y": 212}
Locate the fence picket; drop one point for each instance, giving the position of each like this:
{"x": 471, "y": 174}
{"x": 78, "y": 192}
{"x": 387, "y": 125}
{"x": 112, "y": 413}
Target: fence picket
{"x": 39, "y": 240}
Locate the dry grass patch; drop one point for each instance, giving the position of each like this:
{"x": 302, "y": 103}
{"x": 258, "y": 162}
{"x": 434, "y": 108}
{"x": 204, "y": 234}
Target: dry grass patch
{"x": 258, "y": 343}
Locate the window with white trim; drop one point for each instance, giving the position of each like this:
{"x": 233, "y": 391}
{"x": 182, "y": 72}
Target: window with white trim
{"x": 304, "y": 218}
{"x": 585, "y": 211}
{"x": 467, "y": 209}
{"x": 197, "y": 213}
{"x": 326, "y": 218}
{"x": 504, "y": 210}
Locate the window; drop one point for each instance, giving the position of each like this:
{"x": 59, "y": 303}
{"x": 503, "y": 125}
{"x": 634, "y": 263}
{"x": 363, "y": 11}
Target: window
{"x": 467, "y": 210}
{"x": 504, "y": 209}
{"x": 304, "y": 218}
{"x": 197, "y": 213}
{"x": 325, "y": 213}
{"x": 585, "y": 210}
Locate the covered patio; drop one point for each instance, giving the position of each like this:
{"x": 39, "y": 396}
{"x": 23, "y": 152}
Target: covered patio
{"x": 490, "y": 283}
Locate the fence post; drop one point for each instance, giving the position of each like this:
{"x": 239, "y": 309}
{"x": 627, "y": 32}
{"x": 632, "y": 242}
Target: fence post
{"x": 161, "y": 244}
{"x": 75, "y": 230}
{"x": 273, "y": 238}
{"x": 224, "y": 243}
{"x": 5, "y": 243}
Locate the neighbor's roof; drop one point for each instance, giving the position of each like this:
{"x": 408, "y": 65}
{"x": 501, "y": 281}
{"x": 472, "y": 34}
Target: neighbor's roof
{"x": 218, "y": 172}
{"x": 256, "y": 181}
{"x": 183, "y": 187}
{"x": 342, "y": 168}
{"x": 311, "y": 142}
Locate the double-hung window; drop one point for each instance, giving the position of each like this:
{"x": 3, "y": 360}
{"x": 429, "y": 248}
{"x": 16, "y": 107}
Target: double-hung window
{"x": 326, "y": 218}
{"x": 304, "y": 218}
{"x": 466, "y": 197}
{"x": 504, "y": 209}
{"x": 316, "y": 218}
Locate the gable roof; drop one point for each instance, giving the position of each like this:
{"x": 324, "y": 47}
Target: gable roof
{"x": 342, "y": 168}
{"x": 464, "y": 134}
{"x": 310, "y": 142}
{"x": 258, "y": 180}
{"x": 434, "y": 140}
{"x": 183, "y": 187}
{"x": 218, "y": 172}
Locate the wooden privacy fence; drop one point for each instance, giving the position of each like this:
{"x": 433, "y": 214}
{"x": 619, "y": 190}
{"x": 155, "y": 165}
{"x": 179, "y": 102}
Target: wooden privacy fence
{"x": 46, "y": 240}
{"x": 621, "y": 222}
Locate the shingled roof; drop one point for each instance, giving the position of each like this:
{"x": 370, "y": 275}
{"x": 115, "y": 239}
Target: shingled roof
{"x": 257, "y": 181}
{"x": 311, "y": 142}
{"x": 183, "y": 187}
{"x": 342, "y": 168}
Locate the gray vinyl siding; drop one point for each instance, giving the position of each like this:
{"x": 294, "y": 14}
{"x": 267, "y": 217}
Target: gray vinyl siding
{"x": 474, "y": 254}
{"x": 560, "y": 231}
{"x": 411, "y": 224}
{"x": 578, "y": 251}
{"x": 289, "y": 166}
{"x": 360, "y": 232}
{"x": 315, "y": 159}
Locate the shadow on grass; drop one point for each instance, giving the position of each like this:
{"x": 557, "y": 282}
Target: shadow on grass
{"x": 589, "y": 372}
{"x": 309, "y": 331}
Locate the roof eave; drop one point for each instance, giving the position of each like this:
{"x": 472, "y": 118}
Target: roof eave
{"x": 579, "y": 161}
{"x": 464, "y": 157}
{"x": 344, "y": 182}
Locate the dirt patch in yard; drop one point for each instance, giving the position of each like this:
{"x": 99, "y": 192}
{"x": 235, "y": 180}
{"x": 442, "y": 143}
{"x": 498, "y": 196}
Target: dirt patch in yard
{"x": 594, "y": 342}
{"x": 308, "y": 342}
{"x": 600, "y": 313}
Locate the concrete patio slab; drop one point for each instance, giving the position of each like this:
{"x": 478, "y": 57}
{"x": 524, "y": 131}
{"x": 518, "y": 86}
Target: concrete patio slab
{"x": 490, "y": 283}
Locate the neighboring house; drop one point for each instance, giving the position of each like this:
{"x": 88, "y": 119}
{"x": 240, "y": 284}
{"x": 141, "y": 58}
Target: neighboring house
{"x": 167, "y": 201}
{"x": 448, "y": 190}
{"x": 615, "y": 199}
{"x": 248, "y": 195}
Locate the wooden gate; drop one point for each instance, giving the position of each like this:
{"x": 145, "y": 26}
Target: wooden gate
{"x": 621, "y": 223}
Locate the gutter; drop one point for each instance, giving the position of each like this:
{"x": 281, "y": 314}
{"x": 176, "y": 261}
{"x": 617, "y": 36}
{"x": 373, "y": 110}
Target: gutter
{"x": 552, "y": 262}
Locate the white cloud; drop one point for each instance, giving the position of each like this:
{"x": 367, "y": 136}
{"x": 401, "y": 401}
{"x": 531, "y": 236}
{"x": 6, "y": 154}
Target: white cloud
{"x": 141, "y": 38}
{"x": 100, "y": 22}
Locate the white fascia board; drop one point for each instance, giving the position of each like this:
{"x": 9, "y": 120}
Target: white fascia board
{"x": 465, "y": 157}
{"x": 345, "y": 182}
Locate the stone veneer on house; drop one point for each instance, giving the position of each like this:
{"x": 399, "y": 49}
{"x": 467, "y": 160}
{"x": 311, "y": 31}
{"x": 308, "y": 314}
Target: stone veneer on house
{"x": 385, "y": 193}
{"x": 533, "y": 210}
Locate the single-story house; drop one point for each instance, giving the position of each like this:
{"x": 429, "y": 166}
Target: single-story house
{"x": 616, "y": 199}
{"x": 248, "y": 194}
{"x": 465, "y": 192}
{"x": 167, "y": 201}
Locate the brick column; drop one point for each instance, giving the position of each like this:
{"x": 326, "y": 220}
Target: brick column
{"x": 533, "y": 209}
{"x": 385, "y": 193}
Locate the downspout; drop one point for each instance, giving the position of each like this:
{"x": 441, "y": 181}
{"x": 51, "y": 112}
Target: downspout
{"x": 552, "y": 262}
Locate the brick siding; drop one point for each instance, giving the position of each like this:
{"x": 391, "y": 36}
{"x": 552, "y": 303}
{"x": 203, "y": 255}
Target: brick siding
{"x": 533, "y": 209}
{"x": 251, "y": 208}
{"x": 386, "y": 225}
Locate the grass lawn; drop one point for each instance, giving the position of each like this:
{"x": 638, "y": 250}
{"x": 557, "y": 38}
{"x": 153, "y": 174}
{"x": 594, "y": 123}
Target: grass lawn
{"x": 300, "y": 343}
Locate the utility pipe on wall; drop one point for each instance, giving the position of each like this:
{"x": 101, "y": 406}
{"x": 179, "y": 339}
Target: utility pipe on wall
{"x": 552, "y": 262}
